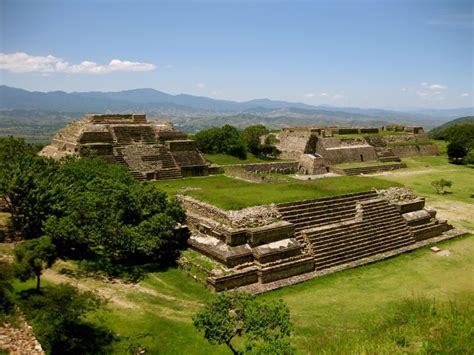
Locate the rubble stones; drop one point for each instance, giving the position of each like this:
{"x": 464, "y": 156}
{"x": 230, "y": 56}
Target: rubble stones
{"x": 397, "y": 194}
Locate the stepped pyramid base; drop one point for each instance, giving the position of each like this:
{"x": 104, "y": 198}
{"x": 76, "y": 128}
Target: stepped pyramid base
{"x": 313, "y": 237}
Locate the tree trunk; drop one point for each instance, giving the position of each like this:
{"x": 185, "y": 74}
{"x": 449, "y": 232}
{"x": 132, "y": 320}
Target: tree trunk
{"x": 235, "y": 352}
{"x": 38, "y": 282}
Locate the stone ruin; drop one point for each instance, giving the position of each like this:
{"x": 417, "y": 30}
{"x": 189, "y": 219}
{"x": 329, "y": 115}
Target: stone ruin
{"x": 317, "y": 149}
{"x": 150, "y": 150}
{"x": 267, "y": 247}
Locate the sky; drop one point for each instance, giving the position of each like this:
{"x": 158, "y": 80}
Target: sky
{"x": 387, "y": 54}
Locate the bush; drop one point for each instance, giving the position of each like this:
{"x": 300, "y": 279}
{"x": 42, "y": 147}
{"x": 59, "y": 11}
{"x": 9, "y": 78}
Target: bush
{"x": 6, "y": 288}
{"x": 440, "y": 185}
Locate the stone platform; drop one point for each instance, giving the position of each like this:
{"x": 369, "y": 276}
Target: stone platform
{"x": 292, "y": 241}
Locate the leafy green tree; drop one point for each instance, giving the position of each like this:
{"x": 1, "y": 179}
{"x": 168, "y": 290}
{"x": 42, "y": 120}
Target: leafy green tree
{"x": 59, "y": 317}
{"x": 263, "y": 326}
{"x": 456, "y": 151}
{"x": 252, "y": 135}
{"x": 222, "y": 140}
{"x": 6, "y": 288}
{"x": 111, "y": 221}
{"x": 33, "y": 256}
{"x": 27, "y": 186}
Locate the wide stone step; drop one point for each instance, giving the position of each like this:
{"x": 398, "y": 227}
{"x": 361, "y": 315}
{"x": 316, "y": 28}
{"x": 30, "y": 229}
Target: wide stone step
{"x": 319, "y": 209}
{"x": 351, "y": 258}
{"x": 299, "y": 204}
{"x": 342, "y": 235}
{"x": 320, "y": 216}
{"x": 362, "y": 241}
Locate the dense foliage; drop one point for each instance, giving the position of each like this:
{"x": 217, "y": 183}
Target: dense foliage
{"x": 253, "y": 136}
{"x": 90, "y": 210}
{"x": 222, "y": 140}
{"x": 6, "y": 290}
{"x": 264, "y": 327}
{"x": 33, "y": 256}
{"x": 59, "y": 316}
{"x": 460, "y": 139}
{"x": 229, "y": 140}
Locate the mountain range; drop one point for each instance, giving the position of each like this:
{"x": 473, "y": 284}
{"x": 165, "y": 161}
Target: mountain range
{"x": 192, "y": 113}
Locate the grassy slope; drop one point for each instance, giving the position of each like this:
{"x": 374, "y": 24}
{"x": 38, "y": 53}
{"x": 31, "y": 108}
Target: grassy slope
{"x": 324, "y": 310}
{"x": 230, "y": 193}
{"x": 457, "y": 206}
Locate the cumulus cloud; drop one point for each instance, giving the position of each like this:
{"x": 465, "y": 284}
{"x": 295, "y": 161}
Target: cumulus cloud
{"x": 309, "y": 95}
{"x": 200, "y": 85}
{"x": 24, "y": 63}
{"x": 466, "y": 94}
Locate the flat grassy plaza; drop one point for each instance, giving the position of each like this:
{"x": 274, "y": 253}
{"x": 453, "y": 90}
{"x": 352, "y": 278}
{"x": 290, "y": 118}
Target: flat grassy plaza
{"x": 233, "y": 194}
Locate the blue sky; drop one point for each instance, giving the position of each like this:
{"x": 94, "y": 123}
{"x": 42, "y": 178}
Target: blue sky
{"x": 390, "y": 54}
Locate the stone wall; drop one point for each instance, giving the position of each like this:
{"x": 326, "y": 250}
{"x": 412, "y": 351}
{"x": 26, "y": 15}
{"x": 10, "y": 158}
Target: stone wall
{"x": 349, "y": 154}
{"x": 289, "y": 167}
{"x": 311, "y": 164}
{"x": 404, "y": 151}
{"x": 259, "y": 178}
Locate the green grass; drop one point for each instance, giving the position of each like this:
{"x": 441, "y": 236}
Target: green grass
{"x": 224, "y": 159}
{"x": 456, "y": 206}
{"x": 328, "y": 312}
{"x": 230, "y": 194}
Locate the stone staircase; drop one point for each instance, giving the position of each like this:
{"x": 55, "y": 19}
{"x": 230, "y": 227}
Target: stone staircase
{"x": 372, "y": 169}
{"x": 386, "y": 154}
{"x": 427, "y": 226}
{"x": 379, "y": 228}
{"x": 133, "y": 134}
{"x": 312, "y": 213}
{"x": 119, "y": 159}
{"x": 169, "y": 168}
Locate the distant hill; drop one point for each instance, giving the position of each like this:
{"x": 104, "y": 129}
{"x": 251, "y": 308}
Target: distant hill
{"x": 435, "y": 132}
{"x": 37, "y": 115}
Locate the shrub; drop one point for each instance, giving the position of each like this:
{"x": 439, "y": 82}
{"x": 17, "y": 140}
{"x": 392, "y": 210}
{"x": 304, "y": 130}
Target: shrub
{"x": 440, "y": 185}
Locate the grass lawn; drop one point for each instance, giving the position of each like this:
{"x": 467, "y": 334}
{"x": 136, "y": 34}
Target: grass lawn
{"x": 157, "y": 312}
{"x": 228, "y": 193}
{"x": 456, "y": 206}
{"x": 224, "y": 159}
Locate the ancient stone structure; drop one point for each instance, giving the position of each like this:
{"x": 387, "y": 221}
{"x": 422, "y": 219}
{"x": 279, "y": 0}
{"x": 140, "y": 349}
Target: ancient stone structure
{"x": 149, "y": 149}
{"x": 268, "y": 244}
{"x": 318, "y": 148}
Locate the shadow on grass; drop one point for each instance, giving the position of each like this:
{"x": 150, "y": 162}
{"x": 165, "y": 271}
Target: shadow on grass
{"x": 58, "y": 317}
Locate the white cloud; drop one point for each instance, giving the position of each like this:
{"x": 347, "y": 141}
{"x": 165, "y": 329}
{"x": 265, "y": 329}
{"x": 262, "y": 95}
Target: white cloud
{"x": 309, "y": 95}
{"x": 200, "y": 85}
{"x": 24, "y": 63}
{"x": 404, "y": 89}
{"x": 431, "y": 91}
{"x": 437, "y": 87}
{"x": 338, "y": 97}
{"x": 466, "y": 94}
{"x": 323, "y": 94}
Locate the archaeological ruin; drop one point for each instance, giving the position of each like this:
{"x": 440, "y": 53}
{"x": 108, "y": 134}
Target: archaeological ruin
{"x": 149, "y": 149}
{"x": 317, "y": 149}
{"x": 269, "y": 246}
{"x": 266, "y": 247}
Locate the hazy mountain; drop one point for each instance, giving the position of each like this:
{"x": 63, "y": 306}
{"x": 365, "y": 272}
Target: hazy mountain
{"x": 38, "y": 110}
{"x": 460, "y": 120}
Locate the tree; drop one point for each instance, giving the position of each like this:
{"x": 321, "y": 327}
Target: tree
{"x": 225, "y": 140}
{"x": 440, "y": 185}
{"x": 461, "y": 141}
{"x": 27, "y": 186}
{"x": 59, "y": 317}
{"x": 112, "y": 222}
{"x": 252, "y": 135}
{"x": 264, "y": 326}
{"x": 456, "y": 151}
{"x": 33, "y": 256}
{"x": 6, "y": 288}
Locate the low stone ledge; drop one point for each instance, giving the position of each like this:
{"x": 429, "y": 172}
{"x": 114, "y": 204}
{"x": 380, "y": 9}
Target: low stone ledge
{"x": 223, "y": 283}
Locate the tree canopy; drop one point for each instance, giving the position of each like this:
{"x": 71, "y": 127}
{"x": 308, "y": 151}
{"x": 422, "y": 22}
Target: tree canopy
{"x": 226, "y": 139}
{"x": 264, "y": 327}
{"x": 90, "y": 210}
